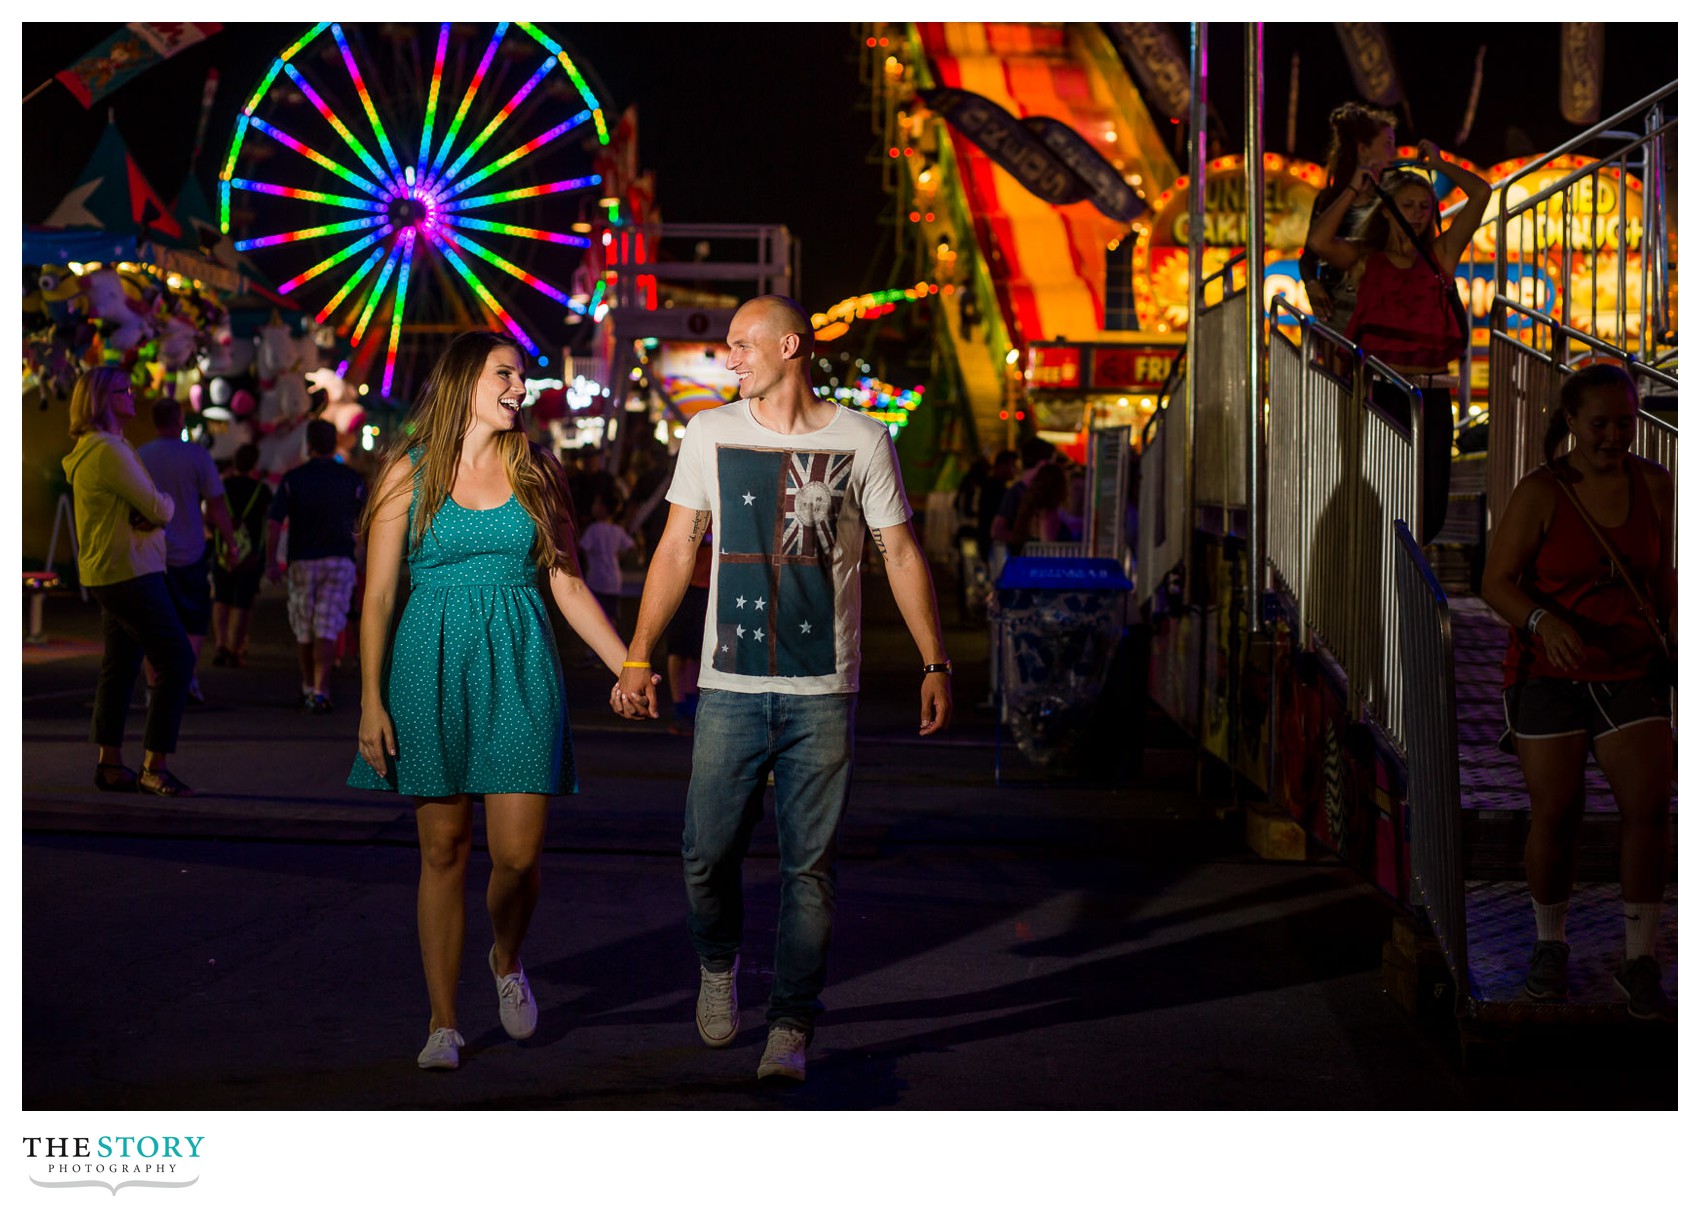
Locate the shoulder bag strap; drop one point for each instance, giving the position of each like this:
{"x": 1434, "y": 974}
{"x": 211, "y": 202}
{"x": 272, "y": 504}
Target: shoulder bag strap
{"x": 1411, "y": 235}
{"x": 252, "y": 497}
{"x": 1617, "y": 561}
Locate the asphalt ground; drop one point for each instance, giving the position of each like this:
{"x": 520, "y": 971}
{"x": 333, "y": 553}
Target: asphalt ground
{"x": 1031, "y": 946}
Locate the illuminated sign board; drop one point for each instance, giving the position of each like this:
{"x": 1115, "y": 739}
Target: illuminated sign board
{"x": 1054, "y": 368}
{"x": 1074, "y": 368}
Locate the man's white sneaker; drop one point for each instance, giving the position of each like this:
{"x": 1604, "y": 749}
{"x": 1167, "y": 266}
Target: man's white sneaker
{"x": 513, "y": 992}
{"x": 442, "y": 1050}
{"x": 717, "y": 1006}
{"x": 783, "y": 1056}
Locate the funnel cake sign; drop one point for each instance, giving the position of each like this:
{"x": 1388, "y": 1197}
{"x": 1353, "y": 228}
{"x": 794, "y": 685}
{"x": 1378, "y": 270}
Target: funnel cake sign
{"x": 1160, "y": 249}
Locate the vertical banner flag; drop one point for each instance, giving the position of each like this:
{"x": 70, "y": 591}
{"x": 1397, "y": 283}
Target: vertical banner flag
{"x": 1105, "y": 188}
{"x": 1012, "y": 146}
{"x": 1293, "y": 105}
{"x": 779, "y": 534}
{"x": 1163, "y": 71}
{"x": 1475, "y": 97}
{"x": 1581, "y": 67}
{"x": 129, "y": 53}
{"x": 1371, "y": 61}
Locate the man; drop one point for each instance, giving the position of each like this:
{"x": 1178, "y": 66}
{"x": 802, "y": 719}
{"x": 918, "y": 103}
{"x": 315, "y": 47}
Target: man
{"x": 185, "y": 472}
{"x": 788, "y": 482}
{"x": 321, "y": 501}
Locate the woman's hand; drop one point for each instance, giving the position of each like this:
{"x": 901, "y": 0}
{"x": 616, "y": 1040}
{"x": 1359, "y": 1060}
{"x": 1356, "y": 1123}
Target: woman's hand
{"x": 1428, "y": 155}
{"x": 1321, "y": 302}
{"x": 1563, "y": 646}
{"x": 377, "y": 737}
{"x": 1363, "y": 185}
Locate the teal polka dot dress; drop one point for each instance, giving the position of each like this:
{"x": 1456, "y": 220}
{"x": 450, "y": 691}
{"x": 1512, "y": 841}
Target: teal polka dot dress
{"x": 473, "y": 682}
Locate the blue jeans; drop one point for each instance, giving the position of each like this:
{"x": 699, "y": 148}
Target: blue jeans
{"x": 805, "y": 740}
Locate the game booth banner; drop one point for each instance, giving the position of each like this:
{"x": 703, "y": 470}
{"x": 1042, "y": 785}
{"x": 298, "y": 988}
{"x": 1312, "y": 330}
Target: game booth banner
{"x": 1076, "y": 387}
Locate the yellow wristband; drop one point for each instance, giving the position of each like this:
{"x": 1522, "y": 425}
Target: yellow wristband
{"x": 634, "y": 664}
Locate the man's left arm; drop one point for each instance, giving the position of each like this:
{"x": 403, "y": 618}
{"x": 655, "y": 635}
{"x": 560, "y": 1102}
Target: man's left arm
{"x": 912, "y": 586}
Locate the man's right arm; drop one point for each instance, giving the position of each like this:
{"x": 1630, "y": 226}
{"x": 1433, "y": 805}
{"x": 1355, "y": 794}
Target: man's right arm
{"x": 663, "y": 589}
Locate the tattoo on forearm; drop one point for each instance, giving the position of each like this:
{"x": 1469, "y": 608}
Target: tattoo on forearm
{"x": 699, "y": 523}
{"x": 879, "y": 541}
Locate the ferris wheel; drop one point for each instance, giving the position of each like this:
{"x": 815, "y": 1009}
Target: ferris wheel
{"x": 409, "y": 182}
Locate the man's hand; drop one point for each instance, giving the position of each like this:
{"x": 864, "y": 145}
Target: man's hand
{"x": 935, "y": 702}
{"x": 636, "y": 694}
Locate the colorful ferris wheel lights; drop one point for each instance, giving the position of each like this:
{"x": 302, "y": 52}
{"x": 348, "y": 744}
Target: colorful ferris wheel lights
{"x": 328, "y": 309}
{"x": 463, "y": 241}
{"x": 466, "y": 101}
{"x": 335, "y": 259}
{"x": 502, "y": 116}
{"x": 376, "y": 294}
{"x": 324, "y": 161}
{"x": 520, "y": 152}
{"x": 548, "y": 43}
{"x": 305, "y": 195}
{"x": 530, "y": 191}
{"x": 309, "y": 233}
{"x": 413, "y": 198}
{"x": 318, "y": 102}
{"x": 366, "y": 100}
{"x": 443, "y": 241}
{"x": 436, "y": 91}
{"x": 511, "y": 229}
{"x": 408, "y": 240}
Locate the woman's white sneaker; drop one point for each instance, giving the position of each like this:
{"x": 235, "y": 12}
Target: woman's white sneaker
{"x": 442, "y": 1050}
{"x": 513, "y": 994}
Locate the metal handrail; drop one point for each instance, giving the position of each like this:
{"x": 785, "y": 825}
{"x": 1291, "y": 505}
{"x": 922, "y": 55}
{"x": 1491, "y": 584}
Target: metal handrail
{"x": 1433, "y": 799}
{"x": 1164, "y": 513}
{"x": 1342, "y": 470}
{"x": 1524, "y": 383}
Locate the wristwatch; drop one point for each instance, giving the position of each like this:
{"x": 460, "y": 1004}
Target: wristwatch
{"x": 938, "y": 667}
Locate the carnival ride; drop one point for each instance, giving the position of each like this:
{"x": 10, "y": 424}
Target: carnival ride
{"x": 348, "y": 178}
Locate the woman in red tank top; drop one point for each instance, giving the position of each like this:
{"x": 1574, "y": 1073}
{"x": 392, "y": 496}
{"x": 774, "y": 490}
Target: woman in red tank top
{"x": 1403, "y": 316}
{"x": 1584, "y": 666}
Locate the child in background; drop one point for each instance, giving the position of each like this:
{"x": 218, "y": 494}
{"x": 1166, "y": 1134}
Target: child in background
{"x": 602, "y": 544}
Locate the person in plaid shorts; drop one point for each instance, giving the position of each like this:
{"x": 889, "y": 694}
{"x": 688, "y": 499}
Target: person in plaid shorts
{"x": 321, "y": 502}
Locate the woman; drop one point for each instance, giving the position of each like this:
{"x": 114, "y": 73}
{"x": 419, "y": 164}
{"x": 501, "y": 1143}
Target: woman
{"x": 1585, "y": 666}
{"x": 234, "y": 589}
{"x": 1039, "y": 516}
{"x": 121, "y": 561}
{"x": 1403, "y": 315}
{"x": 1359, "y": 137}
{"x": 470, "y": 702}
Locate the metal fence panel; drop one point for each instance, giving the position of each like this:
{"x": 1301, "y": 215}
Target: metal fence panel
{"x": 1224, "y": 404}
{"x": 1163, "y": 522}
{"x": 1432, "y": 797}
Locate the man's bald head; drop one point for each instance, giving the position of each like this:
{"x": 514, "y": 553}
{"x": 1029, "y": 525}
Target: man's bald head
{"x": 778, "y": 316}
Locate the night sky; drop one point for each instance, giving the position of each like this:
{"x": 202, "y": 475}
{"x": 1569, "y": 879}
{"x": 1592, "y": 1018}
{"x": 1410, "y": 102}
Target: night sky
{"x": 747, "y": 123}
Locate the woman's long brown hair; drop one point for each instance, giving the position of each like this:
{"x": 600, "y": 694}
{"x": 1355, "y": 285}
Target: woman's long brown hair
{"x": 439, "y": 422}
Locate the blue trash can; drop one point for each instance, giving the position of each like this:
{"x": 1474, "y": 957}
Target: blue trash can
{"x": 1059, "y": 621}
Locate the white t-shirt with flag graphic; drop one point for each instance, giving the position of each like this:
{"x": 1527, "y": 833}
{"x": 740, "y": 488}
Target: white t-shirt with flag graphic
{"x": 785, "y": 593}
